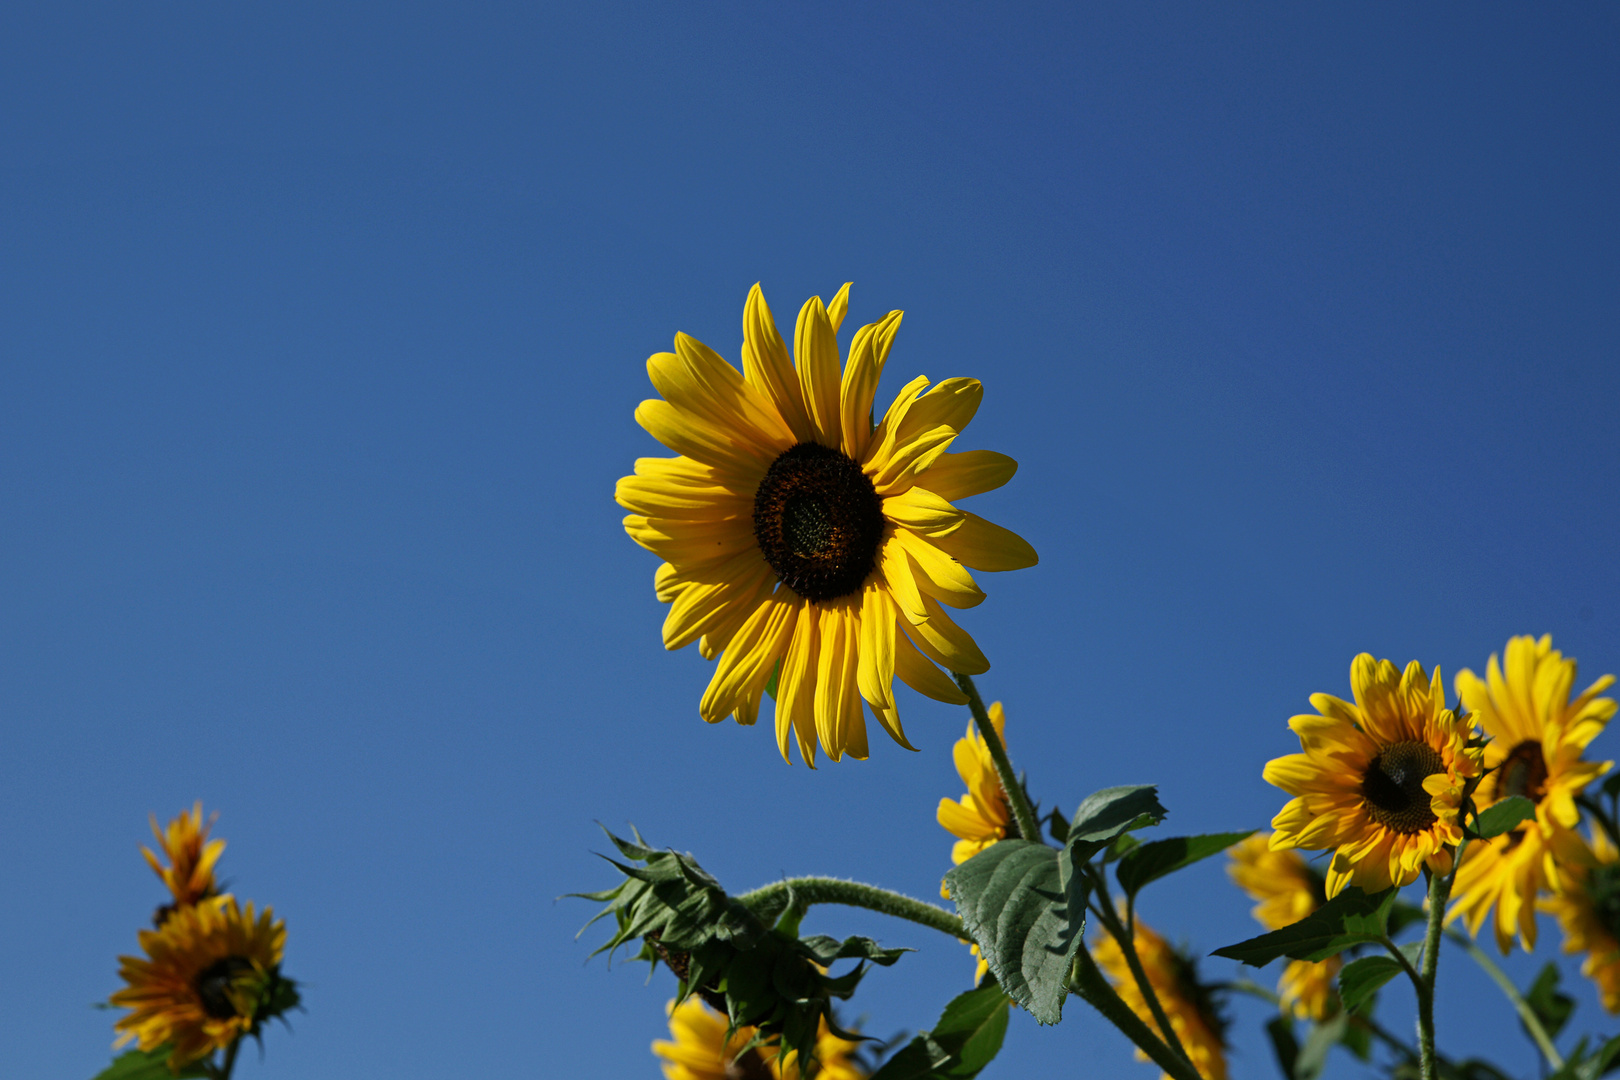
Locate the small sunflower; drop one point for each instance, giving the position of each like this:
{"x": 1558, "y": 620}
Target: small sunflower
{"x": 191, "y": 855}
{"x": 699, "y": 1050}
{"x": 1188, "y": 1003}
{"x": 211, "y": 974}
{"x": 1288, "y": 890}
{"x": 982, "y": 816}
{"x": 1538, "y": 729}
{"x": 1589, "y": 911}
{"x": 802, "y": 543}
{"x": 1380, "y": 780}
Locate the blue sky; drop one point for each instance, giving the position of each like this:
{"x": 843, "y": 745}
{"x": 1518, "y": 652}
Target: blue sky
{"x": 324, "y": 324}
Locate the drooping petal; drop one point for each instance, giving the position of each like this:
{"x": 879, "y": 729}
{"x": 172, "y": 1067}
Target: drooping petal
{"x": 945, "y": 643}
{"x": 937, "y": 574}
{"x": 750, "y": 658}
{"x": 984, "y": 545}
{"x": 916, "y": 672}
{"x": 703, "y": 608}
{"x": 796, "y": 686}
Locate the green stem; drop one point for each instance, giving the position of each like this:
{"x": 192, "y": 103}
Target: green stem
{"x": 1023, "y": 813}
{"x": 223, "y": 1072}
{"x": 1439, "y": 895}
{"x": 1532, "y": 1023}
{"x": 1086, "y": 981}
{"x": 1125, "y": 937}
{"x": 1394, "y": 950}
{"x": 824, "y": 890}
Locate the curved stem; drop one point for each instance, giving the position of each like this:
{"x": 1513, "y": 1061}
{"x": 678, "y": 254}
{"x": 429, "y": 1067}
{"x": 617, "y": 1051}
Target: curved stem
{"x": 1023, "y": 813}
{"x": 1532, "y": 1022}
{"x": 1394, "y": 950}
{"x": 1125, "y": 936}
{"x": 824, "y": 890}
{"x": 1087, "y": 982}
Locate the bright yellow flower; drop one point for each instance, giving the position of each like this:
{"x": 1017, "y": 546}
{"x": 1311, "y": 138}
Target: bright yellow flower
{"x": 1380, "y": 780}
{"x": 191, "y": 855}
{"x": 802, "y": 542}
{"x": 982, "y": 816}
{"x": 1288, "y": 890}
{"x": 1589, "y": 911}
{"x": 1187, "y": 1002}
{"x": 701, "y": 1051}
{"x": 203, "y": 980}
{"x": 1538, "y": 730}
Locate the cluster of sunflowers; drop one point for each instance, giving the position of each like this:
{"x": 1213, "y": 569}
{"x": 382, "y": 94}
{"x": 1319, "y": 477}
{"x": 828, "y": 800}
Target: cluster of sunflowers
{"x": 813, "y": 549}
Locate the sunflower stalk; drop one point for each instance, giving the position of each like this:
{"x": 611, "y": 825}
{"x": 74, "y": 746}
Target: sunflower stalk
{"x": 1532, "y": 1022}
{"x": 802, "y": 892}
{"x": 1023, "y": 814}
{"x": 1088, "y": 983}
{"x": 1439, "y": 895}
{"x": 1124, "y": 933}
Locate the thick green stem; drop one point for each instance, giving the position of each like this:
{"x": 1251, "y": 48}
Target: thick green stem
{"x": 1532, "y": 1022}
{"x": 1086, "y": 981}
{"x": 223, "y": 1072}
{"x": 1439, "y": 895}
{"x": 824, "y": 890}
{"x": 1023, "y": 813}
{"x": 1124, "y": 936}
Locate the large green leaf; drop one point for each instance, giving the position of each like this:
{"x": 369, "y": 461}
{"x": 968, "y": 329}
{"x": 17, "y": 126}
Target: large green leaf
{"x": 148, "y": 1065}
{"x": 1507, "y": 814}
{"x": 1024, "y": 906}
{"x": 1150, "y": 862}
{"x": 966, "y": 1039}
{"x": 1351, "y": 918}
{"x": 1360, "y": 980}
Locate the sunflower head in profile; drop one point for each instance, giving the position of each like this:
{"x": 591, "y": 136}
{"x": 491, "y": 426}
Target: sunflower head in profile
{"x": 1190, "y": 1004}
{"x": 698, "y": 1049}
{"x": 209, "y": 975}
{"x": 1539, "y": 728}
{"x": 1588, "y": 909}
{"x": 981, "y": 816}
{"x": 806, "y": 547}
{"x": 191, "y": 856}
{"x": 1288, "y": 890}
{"x": 1380, "y": 780}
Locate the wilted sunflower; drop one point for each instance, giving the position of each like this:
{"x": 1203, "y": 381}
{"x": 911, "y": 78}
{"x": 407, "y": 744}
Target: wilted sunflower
{"x": 803, "y": 543}
{"x": 1380, "y": 780}
{"x": 211, "y": 974}
{"x": 1538, "y": 730}
{"x": 1589, "y": 911}
{"x": 1188, "y": 1003}
{"x": 191, "y": 855}
{"x": 1288, "y": 890}
{"x": 699, "y": 1050}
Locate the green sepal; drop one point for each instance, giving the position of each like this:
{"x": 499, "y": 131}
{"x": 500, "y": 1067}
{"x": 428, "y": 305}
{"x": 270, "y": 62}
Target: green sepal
{"x": 149, "y": 1065}
{"x": 1150, "y": 862}
{"x": 966, "y": 1039}
{"x": 776, "y": 673}
{"x": 1502, "y": 816}
{"x": 1351, "y": 918}
{"x": 1360, "y": 979}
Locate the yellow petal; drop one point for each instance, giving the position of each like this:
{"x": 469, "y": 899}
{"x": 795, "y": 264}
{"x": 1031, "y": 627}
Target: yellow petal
{"x": 739, "y": 465}
{"x": 923, "y": 511}
{"x": 957, "y": 476}
{"x": 694, "y": 378}
{"x": 815, "y": 353}
{"x": 945, "y": 643}
{"x": 686, "y": 543}
{"x": 895, "y": 567}
{"x": 657, "y": 497}
{"x": 839, "y": 307}
{"x": 937, "y": 574}
{"x": 767, "y": 366}
{"x": 916, "y": 672}
{"x": 703, "y": 607}
{"x": 749, "y": 660}
{"x": 986, "y": 546}
{"x": 867, "y": 354}
{"x": 925, "y": 431}
{"x": 796, "y": 687}
{"x": 877, "y": 646}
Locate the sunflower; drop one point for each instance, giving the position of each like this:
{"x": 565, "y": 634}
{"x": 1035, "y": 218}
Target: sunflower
{"x": 211, "y": 974}
{"x": 701, "y": 1051}
{"x": 191, "y": 855}
{"x": 1589, "y": 911}
{"x": 1288, "y": 890}
{"x": 810, "y": 550}
{"x": 1188, "y": 1003}
{"x": 1538, "y": 730}
{"x": 981, "y": 817}
{"x": 1380, "y": 780}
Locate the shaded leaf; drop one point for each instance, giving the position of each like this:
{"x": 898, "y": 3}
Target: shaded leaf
{"x": 1284, "y": 1045}
{"x": 1551, "y": 1006}
{"x": 1360, "y": 979}
{"x": 1358, "y": 1039}
{"x": 1108, "y": 814}
{"x": 1149, "y": 862}
{"x": 1507, "y": 814}
{"x": 148, "y": 1065}
{"x": 1313, "y": 1055}
{"x": 1351, "y": 918}
{"x": 966, "y": 1039}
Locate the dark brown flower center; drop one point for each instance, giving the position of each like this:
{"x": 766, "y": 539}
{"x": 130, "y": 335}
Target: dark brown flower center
{"x": 215, "y": 983}
{"x": 818, "y": 521}
{"x": 1393, "y": 786}
{"x": 749, "y": 1066}
{"x": 1523, "y": 772}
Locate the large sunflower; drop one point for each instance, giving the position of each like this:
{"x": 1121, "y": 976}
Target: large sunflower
{"x": 1380, "y": 780}
{"x": 1589, "y": 911}
{"x": 1288, "y": 890}
{"x": 191, "y": 855}
{"x": 211, "y": 974}
{"x": 699, "y": 1050}
{"x": 802, "y": 543}
{"x": 1189, "y": 1003}
{"x": 1538, "y": 729}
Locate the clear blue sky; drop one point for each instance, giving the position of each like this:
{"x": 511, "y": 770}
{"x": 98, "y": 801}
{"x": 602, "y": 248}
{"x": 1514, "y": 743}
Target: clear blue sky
{"x": 321, "y": 327}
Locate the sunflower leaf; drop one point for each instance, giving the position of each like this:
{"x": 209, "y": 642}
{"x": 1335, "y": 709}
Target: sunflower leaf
{"x": 1351, "y": 918}
{"x": 1360, "y": 979}
{"x": 1108, "y": 814}
{"x": 1024, "y": 905}
{"x": 966, "y": 1039}
{"x": 1551, "y": 1006}
{"x": 1313, "y": 1055}
{"x": 1284, "y": 1044}
{"x": 149, "y": 1065}
{"x": 1503, "y": 816}
{"x": 1150, "y": 862}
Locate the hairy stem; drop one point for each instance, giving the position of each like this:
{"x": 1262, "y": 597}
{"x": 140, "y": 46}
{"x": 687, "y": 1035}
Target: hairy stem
{"x": 1439, "y": 895}
{"x": 806, "y": 891}
{"x": 1023, "y": 813}
{"x": 1087, "y": 982}
{"x": 1532, "y": 1023}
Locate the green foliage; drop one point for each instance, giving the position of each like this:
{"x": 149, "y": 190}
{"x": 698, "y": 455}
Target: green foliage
{"x": 1351, "y": 918}
{"x": 149, "y": 1065}
{"x": 1503, "y": 816}
{"x": 1283, "y": 1044}
{"x": 1551, "y": 1005}
{"x": 1360, "y": 979}
{"x": 1313, "y": 1055}
{"x": 720, "y": 949}
{"x": 1583, "y": 1066}
{"x": 1150, "y": 862}
{"x": 966, "y": 1039}
{"x": 1107, "y": 815}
